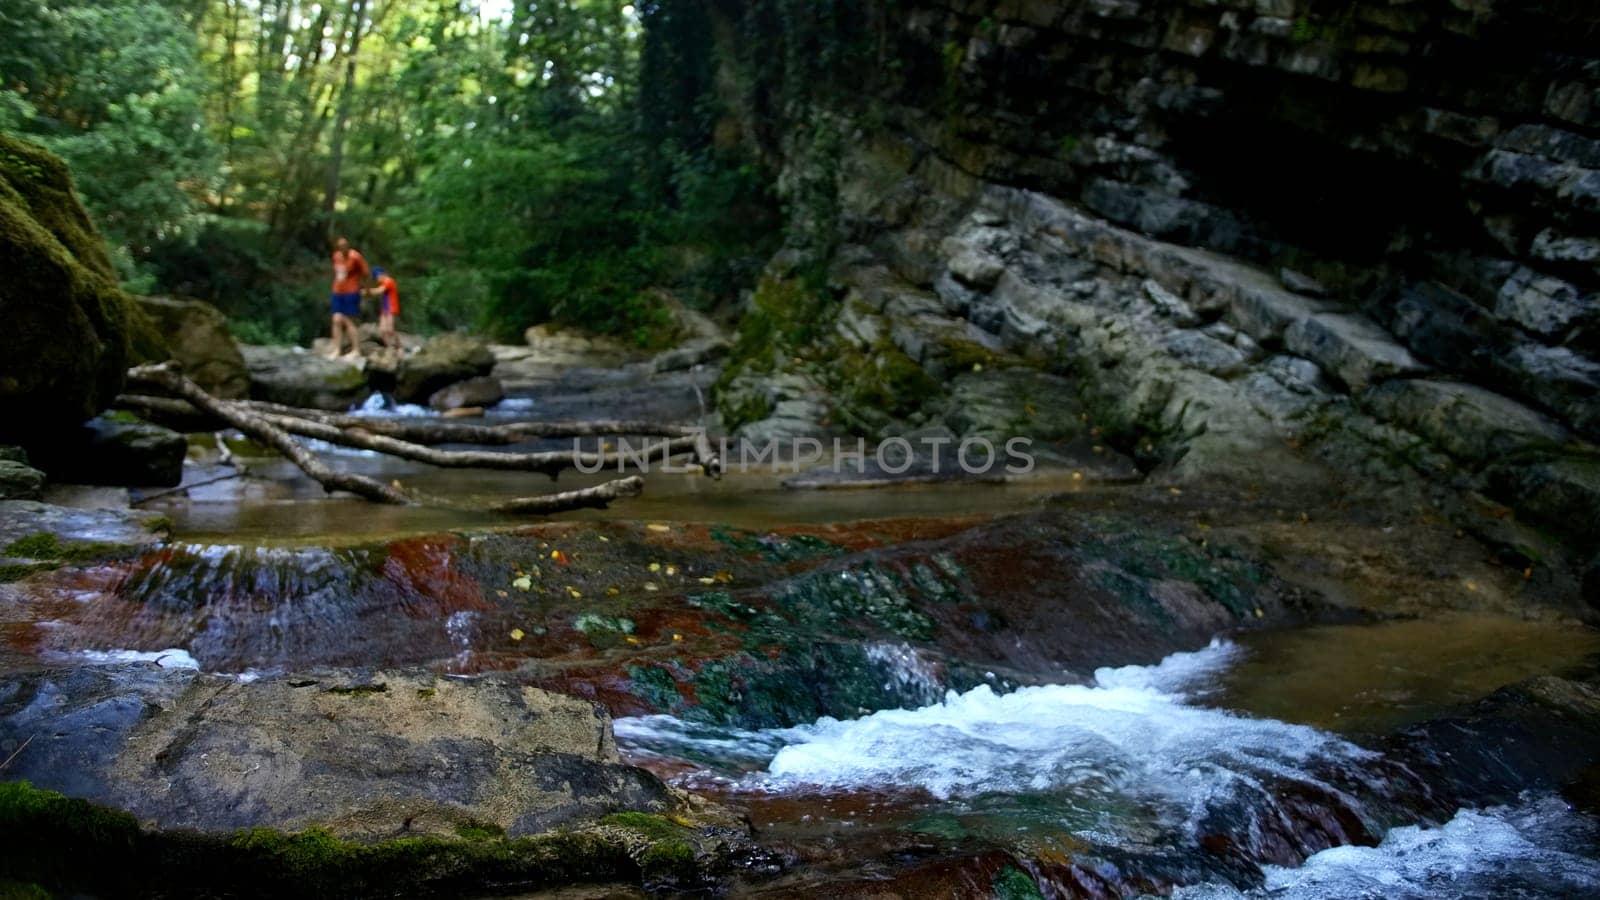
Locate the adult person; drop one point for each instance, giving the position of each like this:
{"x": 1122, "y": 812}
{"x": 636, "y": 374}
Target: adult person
{"x": 388, "y": 308}
{"x": 349, "y": 271}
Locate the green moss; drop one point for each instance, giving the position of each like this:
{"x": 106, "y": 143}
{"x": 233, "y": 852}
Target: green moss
{"x": 17, "y": 890}
{"x": 651, "y": 825}
{"x": 10, "y": 572}
{"x": 359, "y": 690}
{"x": 1014, "y": 884}
{"x": 49, "y": 836}
{"x": 479, "y": 831}
{"x": 667, "y": 856}
{"x": 655, "y": 686}
{"x": 69, "y": 328}
{"x": 44, "y": 545}
{"x": 35, "y": 546}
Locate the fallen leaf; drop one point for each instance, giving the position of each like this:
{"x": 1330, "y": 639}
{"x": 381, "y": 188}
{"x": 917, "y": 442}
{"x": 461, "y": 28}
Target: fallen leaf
{"x": 677, "y": 637}
{"x": 604, "y": 539}
{"x": 655, "y": 567}
{"x": 612, "y": 592}
{"x": 523, "y": 583}
{"x": 651, "y": 586}
{"x": 559, "y": 557}
{"x": 723, "y": 575}
{"x": 672, "y": 570}
{"x": 517, "y": 634}
{"x": 657, "y": 526}
{"x": 574, "y": 591}
{"x": 502, "y": 594}
{"x": 706, "y": 580}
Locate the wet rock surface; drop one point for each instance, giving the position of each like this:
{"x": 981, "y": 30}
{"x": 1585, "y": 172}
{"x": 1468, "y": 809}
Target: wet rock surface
{"x": 364, "y": 755}
{"x": 296, "y": 377}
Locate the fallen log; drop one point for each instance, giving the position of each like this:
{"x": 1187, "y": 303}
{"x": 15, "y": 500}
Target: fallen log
{"x": 597, "y": 497}
{"x": 165, "y": 377}
{"x": 550, "y": 463}
{"x": 446, "y": 432}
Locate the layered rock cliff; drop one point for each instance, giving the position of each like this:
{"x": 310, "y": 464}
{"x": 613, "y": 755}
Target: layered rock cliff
{"x": 1236, "y": 233}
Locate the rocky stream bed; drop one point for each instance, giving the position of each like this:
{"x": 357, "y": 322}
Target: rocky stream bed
{"x": 1082, "y": 683}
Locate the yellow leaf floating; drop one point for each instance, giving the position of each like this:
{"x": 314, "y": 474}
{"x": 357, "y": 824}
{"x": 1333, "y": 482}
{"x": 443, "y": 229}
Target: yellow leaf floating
{"x": 517, "y": 634}
{"x": 523, "y": 583}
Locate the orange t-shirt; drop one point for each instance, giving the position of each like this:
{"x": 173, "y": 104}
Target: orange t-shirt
{"x": 391, "y": 293}
{"x": 348, "y": 272}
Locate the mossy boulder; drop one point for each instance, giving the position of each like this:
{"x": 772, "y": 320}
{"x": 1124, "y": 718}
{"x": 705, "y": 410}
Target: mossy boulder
{"x": 197, "y": 335}
{"x": 291, "y": 376}
{"x": 445, "y": 360}
{"x": 70, "y": 332}
{"x": 115, "y": 449}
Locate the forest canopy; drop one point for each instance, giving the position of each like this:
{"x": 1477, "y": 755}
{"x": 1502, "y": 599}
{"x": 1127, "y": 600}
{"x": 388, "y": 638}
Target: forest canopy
{"x": 510, "y": 162}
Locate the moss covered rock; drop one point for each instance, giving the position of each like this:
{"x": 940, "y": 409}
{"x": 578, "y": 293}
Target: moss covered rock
{"x": 70, "y": 331}
{"x": 198, "y": 337}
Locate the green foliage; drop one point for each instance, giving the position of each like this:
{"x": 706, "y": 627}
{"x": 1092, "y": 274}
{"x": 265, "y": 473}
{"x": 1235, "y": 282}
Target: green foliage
{"x": 114, "y": 88}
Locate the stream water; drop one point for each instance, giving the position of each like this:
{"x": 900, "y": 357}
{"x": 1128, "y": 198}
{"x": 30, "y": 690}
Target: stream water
{"x": 1137, "y": 778}
{"x": 1253, "y": 767}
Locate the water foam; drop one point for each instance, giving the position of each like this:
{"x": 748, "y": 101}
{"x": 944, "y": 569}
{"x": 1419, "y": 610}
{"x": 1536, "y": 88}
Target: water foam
{"x": 1130, "y": 734}
{"x": 1515, "y": 851}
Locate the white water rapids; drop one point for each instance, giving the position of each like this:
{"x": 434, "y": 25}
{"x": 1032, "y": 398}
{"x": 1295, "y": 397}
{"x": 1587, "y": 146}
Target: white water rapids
{"x": 1128, "y": 760}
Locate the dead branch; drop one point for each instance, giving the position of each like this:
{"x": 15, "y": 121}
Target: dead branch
{"x": 434, "y": 432}
{"x": 597, "y": 497}
{"x": 166, "y": 378}
{"x": 550, "y": 463}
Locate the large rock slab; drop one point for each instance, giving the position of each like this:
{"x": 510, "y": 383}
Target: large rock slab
{"x": 443, "y": 361}
{"x": 364, "y": 756}
{"x": 1465, "y": 420}
{"x": 197, "y": 335}
{"x": 482, "y": 391}
{"x": 294, "y": 377}
{"x": 70, "y": 333}
{"x": 1350, "y": 348}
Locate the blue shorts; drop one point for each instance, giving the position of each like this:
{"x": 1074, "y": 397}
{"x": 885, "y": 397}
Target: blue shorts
{"x": 347, "y": 305}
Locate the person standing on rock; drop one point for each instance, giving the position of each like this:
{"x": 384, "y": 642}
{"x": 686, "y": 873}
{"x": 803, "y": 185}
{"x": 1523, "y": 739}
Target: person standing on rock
{"x": 388, "y": 308}
{"x": 349, "y": 271}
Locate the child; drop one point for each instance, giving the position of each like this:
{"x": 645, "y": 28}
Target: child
{"x": 388, "y": 308}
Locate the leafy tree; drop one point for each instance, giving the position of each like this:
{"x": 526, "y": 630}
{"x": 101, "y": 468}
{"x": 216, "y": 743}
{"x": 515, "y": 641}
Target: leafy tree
{"x": 114, "y": 88}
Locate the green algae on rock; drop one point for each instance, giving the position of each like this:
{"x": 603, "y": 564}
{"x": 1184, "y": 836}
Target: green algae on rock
{"x": 50, "y": 835}
{"x": 70, "y": 331}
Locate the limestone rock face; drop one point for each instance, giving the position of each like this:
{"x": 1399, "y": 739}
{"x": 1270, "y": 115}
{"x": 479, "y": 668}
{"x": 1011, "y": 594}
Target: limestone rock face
{"x": 366, "y": 756}
{"x": 441, "y": 362}
{"x": 197, "y": 336}
{"x": 295, "y": 377}
{"x": 69, "y": 332}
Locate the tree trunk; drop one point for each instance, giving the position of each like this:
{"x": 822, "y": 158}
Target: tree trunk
{"x": 341, "y": 119}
